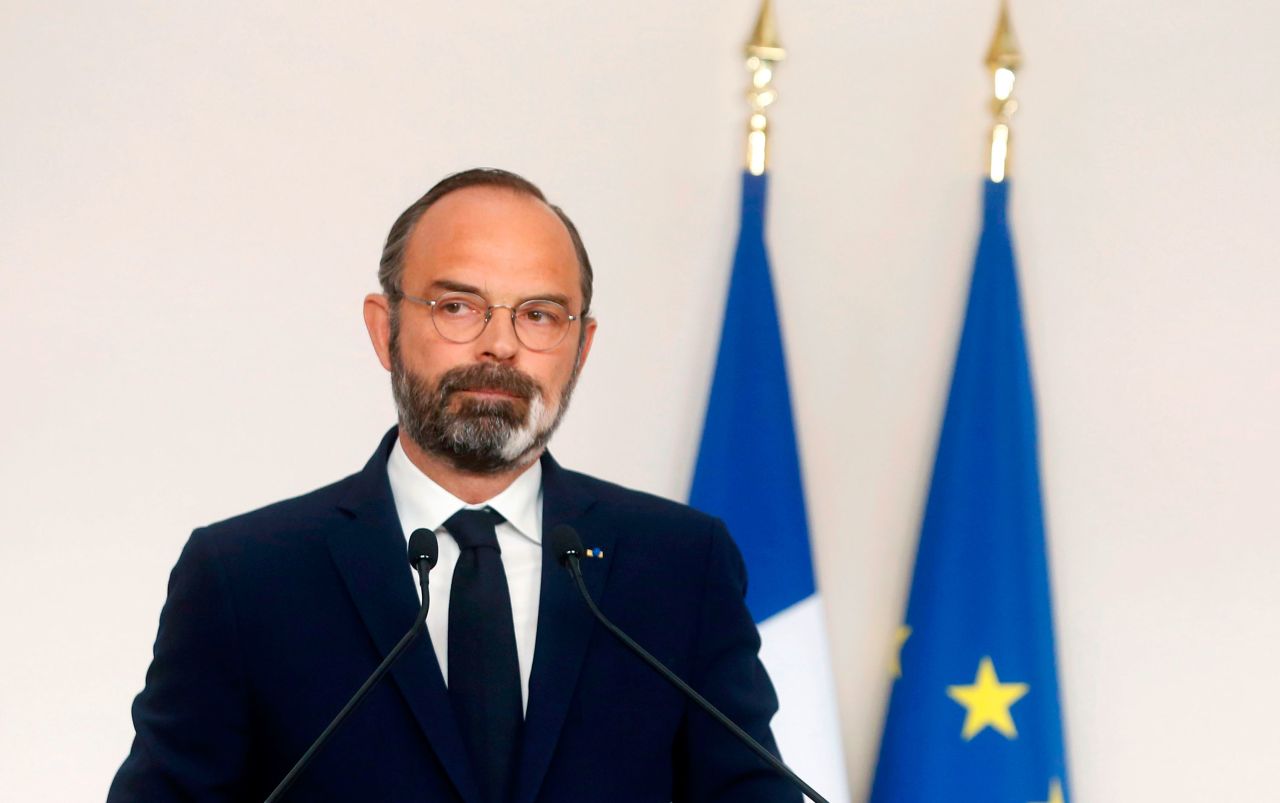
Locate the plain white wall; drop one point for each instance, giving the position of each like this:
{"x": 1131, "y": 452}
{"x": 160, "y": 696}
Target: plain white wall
{"x": 193, "y": 198}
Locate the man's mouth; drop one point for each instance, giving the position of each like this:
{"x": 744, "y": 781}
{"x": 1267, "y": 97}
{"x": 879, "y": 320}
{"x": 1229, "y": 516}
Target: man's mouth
{"x": 492, "y": 393}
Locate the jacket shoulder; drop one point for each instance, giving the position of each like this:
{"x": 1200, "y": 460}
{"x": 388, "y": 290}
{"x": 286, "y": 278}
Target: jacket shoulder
{"x": 653, "y": 524}
{"x": 287, "y": 519}
{"x": 615, "y": 498}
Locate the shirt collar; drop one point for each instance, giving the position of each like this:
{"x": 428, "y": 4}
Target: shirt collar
{"x": 421, "y": 502}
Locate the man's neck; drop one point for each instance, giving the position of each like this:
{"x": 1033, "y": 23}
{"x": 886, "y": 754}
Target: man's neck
{"x": 470, "y": 488}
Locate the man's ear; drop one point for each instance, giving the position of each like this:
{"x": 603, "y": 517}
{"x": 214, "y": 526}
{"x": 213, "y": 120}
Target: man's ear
{"x": 588, "y": 335}
{"x": 377, "y": 319}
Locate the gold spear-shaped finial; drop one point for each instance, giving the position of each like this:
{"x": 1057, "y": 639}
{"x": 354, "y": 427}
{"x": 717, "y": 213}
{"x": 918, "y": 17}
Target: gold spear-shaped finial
{"x": 1003, "y": 60}
{"x": 763, "y": 52}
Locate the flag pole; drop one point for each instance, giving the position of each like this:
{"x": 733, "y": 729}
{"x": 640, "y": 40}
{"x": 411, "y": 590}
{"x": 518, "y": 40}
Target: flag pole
{"x": 763, "y": 53}
{"x": 980, "y": 605}
{"x": 1003, "y": 60}
{"x": 759, "y": 492}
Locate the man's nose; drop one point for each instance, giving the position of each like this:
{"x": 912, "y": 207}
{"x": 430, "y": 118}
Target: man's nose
{"x": 498, "y": 341}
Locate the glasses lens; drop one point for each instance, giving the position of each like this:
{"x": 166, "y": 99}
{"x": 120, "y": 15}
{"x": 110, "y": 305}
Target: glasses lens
{"x": 541, "y": 325}
{"x": 459, "y": 316}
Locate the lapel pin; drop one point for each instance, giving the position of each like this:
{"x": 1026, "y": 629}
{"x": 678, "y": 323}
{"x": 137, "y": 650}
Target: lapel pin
{"x": 594, "y": 553}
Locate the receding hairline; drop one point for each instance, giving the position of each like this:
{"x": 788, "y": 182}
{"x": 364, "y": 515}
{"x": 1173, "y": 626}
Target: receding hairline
{"x": 443, "y": 204}
{"x": 493, "y": 189}
{"x": 391, "y": 264}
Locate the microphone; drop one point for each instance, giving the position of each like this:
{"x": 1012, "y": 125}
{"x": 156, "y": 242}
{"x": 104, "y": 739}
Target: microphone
{"x": 566, "y": 545}
{"x": 423, "y": 547}
{"x": 424, "y": 551}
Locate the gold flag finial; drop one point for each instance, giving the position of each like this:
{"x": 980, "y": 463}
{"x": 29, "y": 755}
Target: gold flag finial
{"x": 1003, "y": 60}
{"x": 1004, "y": 51}
{"x": 763, "y": 52}
{"x": 764, "y": 38}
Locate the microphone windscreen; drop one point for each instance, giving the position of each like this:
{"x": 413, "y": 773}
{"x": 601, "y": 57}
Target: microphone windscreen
{"x": 423, "y": 546}
{"x": 564, "y": 542}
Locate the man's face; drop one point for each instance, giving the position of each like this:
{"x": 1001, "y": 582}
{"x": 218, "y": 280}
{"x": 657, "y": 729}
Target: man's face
{"x": 489, "y": 405}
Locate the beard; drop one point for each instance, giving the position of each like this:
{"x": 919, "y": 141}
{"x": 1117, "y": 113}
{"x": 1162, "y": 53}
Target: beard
{"x": 477, "y": 435}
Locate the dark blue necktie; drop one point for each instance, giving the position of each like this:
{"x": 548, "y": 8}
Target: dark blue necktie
{"x": 484, "y": 672}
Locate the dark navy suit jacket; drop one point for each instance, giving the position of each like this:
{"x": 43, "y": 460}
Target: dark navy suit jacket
{"x": 274, "y": 618}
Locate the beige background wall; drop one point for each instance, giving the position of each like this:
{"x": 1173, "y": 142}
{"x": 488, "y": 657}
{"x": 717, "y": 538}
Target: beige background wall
{"x": 193, "y": 197}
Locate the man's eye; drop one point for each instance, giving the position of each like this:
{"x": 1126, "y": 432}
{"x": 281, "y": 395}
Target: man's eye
{"x": 540, "y": 316}
{"x": 454, "y": 308}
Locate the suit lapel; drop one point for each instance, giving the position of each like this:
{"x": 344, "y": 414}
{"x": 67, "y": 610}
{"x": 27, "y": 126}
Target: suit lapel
{"x": 369, "y": 553}
{"x": 564, "y": 626}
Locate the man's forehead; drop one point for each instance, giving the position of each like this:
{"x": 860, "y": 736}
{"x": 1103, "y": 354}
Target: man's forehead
{"x": 491, "y": 229}
{"x": 481, "y": 206}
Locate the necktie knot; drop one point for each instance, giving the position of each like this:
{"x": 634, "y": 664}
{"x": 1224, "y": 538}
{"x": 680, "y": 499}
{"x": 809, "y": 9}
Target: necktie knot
{"x": 475, "y": 528}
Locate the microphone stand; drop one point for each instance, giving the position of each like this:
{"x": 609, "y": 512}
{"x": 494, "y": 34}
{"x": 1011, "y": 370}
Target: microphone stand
{"x": 423, "y": 566}
{"x": 570, "y": 559}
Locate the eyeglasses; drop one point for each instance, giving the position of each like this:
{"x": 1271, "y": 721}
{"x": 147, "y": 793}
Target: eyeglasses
{"x": 460, "y": 318}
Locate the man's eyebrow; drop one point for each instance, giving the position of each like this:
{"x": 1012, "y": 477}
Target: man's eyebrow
{"x": 456, "y": 287}
{"x": 559, "y": 298}
{"x": 448, "y": 285}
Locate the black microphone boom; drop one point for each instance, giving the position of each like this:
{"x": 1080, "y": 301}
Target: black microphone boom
{"x": 566, "y": 545}
{"x": 424, "y": 551}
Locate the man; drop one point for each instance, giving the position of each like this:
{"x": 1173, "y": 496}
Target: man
{"x": 274, "y": 618}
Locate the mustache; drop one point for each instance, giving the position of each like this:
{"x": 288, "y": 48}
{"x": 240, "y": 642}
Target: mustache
{"x": 487, "y": 377}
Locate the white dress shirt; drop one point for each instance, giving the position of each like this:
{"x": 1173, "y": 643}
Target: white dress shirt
{"x": 420, "y": 502}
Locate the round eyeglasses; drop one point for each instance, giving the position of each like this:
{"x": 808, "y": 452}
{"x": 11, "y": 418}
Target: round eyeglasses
{"x": 460, "y": 318}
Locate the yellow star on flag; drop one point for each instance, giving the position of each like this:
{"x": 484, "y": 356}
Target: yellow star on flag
{"x": 1055, "y": 792}
{"x": 899, "y": 639}
{"x": 988, "y": 702}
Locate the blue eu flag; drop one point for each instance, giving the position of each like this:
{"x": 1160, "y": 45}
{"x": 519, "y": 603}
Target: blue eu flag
{"x": 974, "y": 713}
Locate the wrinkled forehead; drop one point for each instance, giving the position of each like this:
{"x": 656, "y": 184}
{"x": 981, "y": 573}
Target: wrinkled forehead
{"x": 495, "y": 239}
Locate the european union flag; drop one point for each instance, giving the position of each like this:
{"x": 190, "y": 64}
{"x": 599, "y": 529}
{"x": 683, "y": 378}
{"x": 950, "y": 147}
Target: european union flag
{"x": 748, "y": 473}
{"x": 974, "y": 713}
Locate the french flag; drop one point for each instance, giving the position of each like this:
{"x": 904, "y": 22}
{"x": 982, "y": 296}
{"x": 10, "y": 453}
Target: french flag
{"x": 748, "y": 474}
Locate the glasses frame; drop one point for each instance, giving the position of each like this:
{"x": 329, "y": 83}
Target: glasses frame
{"x": 431, "y": 303}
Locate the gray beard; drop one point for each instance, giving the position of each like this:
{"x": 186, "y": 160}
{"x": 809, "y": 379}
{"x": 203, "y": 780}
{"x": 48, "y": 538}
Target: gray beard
{"x": 477, "y": 436}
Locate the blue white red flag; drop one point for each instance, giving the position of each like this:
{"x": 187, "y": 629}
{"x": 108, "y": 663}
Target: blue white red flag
{"x": 748, "y": 474}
